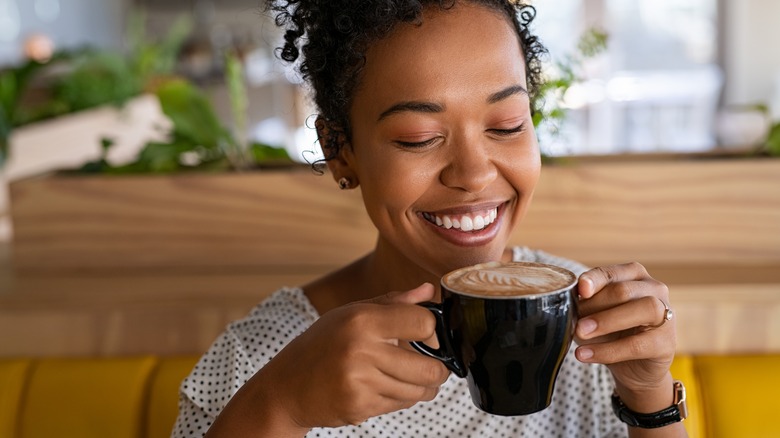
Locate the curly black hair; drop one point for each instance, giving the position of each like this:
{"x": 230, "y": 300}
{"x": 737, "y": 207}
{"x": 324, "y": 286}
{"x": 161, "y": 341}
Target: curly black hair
{"x": 333, "y": 36}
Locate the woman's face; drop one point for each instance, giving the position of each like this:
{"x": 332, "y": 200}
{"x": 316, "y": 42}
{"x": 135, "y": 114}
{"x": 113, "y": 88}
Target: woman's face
{"x": 442, "y": 139}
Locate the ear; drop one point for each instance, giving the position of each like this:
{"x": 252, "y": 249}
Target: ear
{"x": 337, "y": 150}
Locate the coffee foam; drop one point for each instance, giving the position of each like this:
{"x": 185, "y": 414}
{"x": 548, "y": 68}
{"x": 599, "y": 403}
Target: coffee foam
{"x": 508, "y": 279}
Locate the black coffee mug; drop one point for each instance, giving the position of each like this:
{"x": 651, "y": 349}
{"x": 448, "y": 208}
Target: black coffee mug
{"x": 509, "y": 347}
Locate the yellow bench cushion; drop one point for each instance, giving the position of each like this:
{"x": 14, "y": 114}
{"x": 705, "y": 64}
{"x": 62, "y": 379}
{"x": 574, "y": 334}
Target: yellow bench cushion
{"x": 741, "y": 395}
{"x": 13, "y": 376}
{"x": 86, "y": 398}
{"x": 164, "y": 395}
{"x": 683, "y": 369}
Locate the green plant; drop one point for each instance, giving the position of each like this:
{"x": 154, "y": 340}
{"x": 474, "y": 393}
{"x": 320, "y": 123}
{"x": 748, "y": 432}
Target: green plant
{"x": 11, "y": 83}
{"x": 772, "y": 144}
{"x": 150, "y": 59}
{"x": 86, "y": 78}
{"x": 15, "y": 110}
{"x": 75, "y": 80}
{"x": 548, "y": 103}
{"x": 197, "y": 140}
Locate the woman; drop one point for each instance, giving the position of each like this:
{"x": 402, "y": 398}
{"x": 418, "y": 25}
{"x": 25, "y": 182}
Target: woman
{"x": 427, "y": 109}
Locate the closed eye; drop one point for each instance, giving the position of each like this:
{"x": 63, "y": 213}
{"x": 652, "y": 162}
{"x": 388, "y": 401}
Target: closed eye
{"x": 415, "y": 144}
{"x": 507, "y": 132}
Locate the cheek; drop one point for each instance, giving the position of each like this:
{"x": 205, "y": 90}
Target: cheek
{"x": 521, "y": 164}
{"x": 395, "y": 183}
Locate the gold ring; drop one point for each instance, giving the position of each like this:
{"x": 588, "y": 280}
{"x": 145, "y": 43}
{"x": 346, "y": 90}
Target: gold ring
{"x": 668, "y": 315}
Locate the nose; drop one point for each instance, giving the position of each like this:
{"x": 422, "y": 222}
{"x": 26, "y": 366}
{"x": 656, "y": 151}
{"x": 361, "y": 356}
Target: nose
{"x": 470, "y": 167}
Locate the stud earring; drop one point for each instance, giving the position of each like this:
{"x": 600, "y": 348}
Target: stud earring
{"x": 344, "y": 183}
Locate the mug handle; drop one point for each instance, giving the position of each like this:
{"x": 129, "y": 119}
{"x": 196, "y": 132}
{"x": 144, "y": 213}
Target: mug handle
{"x": 444, "y": 353}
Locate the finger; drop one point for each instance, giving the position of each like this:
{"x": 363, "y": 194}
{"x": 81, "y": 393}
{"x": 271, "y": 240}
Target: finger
{"x": 394, "y": 322}
{"x": 591, "y": 282}
{"x": 407, "y": 394}
{"x": 387, "y": 404}
{"x": 413, "y": 368}
{"x": 423, "y": 292}
{"x": 616, "y": 294}
{"x": 650, "y": 344}
{"x": 376, "y": 403}
{"x": 642, "y": 312}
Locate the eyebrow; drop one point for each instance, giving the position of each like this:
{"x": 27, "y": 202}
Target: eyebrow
{"x": 506, "y": 92}
{"x": 430, "y": 107}
{"x": 414, "y": 106}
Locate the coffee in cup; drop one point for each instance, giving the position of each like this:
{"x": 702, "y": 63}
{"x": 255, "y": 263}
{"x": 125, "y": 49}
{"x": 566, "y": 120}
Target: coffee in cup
{"x": 506, "y": 328}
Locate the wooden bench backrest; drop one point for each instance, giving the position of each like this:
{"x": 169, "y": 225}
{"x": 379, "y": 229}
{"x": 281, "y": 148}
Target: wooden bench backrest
{"x": 698, "y": 212}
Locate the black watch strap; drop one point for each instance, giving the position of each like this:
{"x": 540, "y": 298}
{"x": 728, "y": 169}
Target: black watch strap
{"x": 673, "y": 414}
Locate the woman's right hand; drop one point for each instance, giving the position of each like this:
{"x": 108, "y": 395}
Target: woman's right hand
{"x": 352, "y": 364}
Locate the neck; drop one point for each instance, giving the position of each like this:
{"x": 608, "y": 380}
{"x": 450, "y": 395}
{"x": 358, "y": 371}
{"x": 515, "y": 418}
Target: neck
{"x": 383, "y": 270}
{"x": 386, "y": 269}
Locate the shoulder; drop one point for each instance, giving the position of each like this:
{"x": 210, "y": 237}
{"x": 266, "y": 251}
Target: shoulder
{"x": 286, "y": 302}
{"x": 526, "y": 254}
{"x": 272, "y": 324}
{"x": 247, "y": 345}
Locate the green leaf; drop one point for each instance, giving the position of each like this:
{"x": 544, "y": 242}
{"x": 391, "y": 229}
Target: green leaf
{"x": 97, "y": 78}
{"x": 9, "y": 92}
{"x": 234, "y": 77}
{"x": 593, "y": 42}
{"x": 162, "y": 157}
{"x": 97, "y": 166}
{"x": 155, "y": 58}
{"x": 537, "y": 118}
{"x": 261, "y": 153}
{"x": 191, "y": 113}
{"x": 773, "y": 140}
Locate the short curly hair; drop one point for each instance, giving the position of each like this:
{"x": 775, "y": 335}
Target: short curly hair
{"x": 333, "y": 36}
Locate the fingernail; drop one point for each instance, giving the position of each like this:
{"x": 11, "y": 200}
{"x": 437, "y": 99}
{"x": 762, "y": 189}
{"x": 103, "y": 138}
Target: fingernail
{"x": 587, "y": 326}
{"x": 588, "y": 283}
{"x": 585, "y": 353}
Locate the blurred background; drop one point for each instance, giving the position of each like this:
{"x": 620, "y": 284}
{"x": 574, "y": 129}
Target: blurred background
{"x": 674, "y": 76}
{"x": 661, "y": 121}
{"x": 665, "y": 58}
{"x": 639, "y": 77}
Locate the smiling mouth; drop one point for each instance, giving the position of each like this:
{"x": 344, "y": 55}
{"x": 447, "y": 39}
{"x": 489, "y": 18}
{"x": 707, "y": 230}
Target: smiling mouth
{"x": 473, "y": 221}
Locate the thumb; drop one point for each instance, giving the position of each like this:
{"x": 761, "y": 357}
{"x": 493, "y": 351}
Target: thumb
{"x": 423, "y": 292}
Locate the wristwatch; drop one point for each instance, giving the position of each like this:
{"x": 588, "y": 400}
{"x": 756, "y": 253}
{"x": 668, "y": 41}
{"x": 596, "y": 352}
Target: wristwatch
{"x": 675, "y": 413}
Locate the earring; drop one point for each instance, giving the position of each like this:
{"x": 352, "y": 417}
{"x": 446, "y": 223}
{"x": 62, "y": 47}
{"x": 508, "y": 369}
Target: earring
{"x": 345, "y": 183}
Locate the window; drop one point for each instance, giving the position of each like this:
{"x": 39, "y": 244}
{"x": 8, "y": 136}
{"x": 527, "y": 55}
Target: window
{"x": 655, "y": 88}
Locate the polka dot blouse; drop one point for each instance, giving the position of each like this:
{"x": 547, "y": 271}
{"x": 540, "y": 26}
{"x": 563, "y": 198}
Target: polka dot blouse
{"x": 580, "y": 405}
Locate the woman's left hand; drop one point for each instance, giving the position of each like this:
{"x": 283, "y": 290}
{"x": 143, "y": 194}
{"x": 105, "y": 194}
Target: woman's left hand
{"x": 623, "y": 325}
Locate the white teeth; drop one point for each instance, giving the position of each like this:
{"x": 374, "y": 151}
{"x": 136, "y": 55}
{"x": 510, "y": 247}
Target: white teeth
{"x": 479, "y": 223}
{"x": 465, "y": 222}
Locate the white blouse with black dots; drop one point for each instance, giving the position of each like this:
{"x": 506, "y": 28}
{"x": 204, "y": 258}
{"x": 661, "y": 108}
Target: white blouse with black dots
{"x": 580, "y": 405}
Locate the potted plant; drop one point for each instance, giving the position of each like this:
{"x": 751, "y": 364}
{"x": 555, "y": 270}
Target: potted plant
{"x": 188, "y": 149}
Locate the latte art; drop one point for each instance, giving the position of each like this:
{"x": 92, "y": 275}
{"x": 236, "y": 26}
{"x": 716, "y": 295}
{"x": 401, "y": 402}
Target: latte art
{"x": 508, "y": 279}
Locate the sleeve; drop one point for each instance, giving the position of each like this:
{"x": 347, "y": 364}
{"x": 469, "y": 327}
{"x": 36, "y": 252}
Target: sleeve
{"x": 236, "y": 355}
{"x": 192, "y": 420}
{"x": 214, "y": 380}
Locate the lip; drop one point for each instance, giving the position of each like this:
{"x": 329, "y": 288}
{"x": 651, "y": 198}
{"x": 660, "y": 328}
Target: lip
{"x": 465, "y": 209}
{"x": 468, "y": 238}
